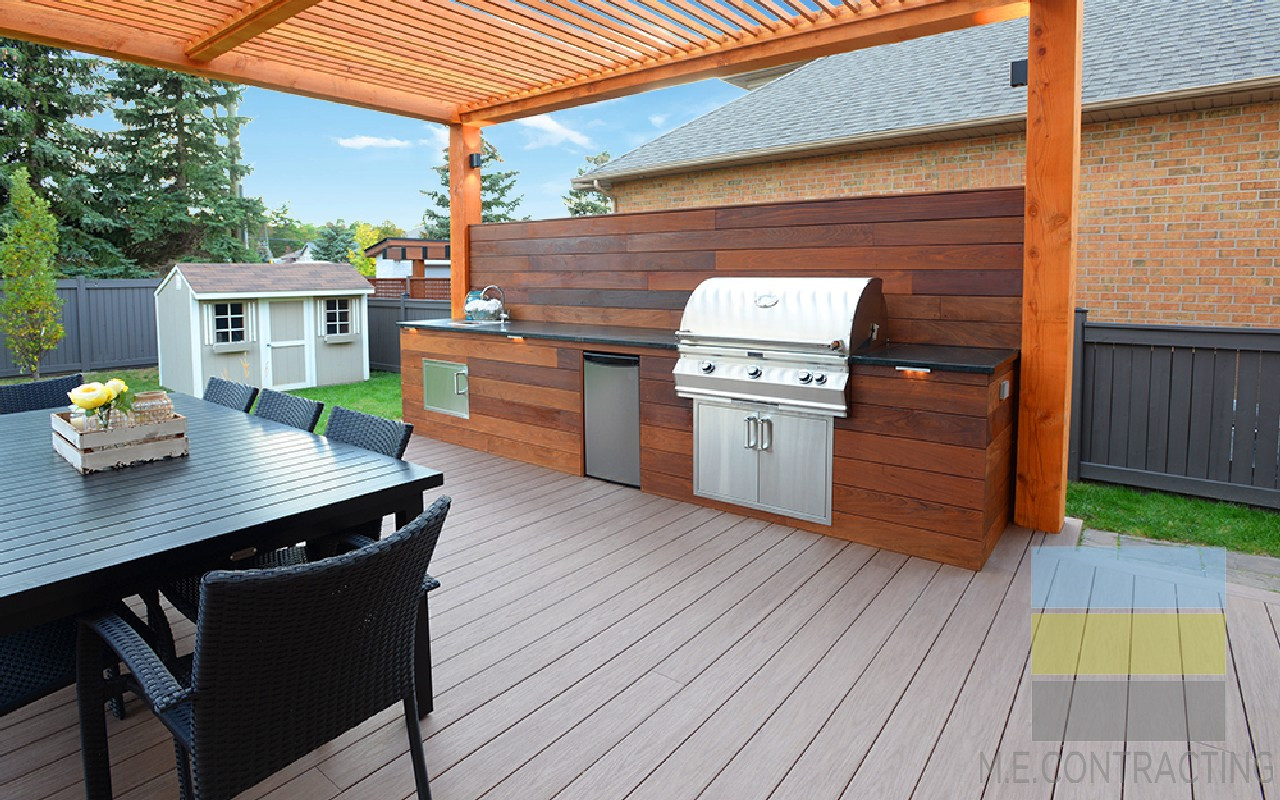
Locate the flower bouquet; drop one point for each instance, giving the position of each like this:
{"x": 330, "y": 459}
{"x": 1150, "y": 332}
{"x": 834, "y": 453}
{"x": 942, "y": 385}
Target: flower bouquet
{"x": 107, "y": 402}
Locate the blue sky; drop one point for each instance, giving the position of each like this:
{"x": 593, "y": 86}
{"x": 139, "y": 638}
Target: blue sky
{"x": 328, "y": 161}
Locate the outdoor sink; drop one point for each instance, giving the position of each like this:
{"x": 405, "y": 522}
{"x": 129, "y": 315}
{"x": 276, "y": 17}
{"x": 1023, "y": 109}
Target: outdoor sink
{"x": 474, "y": 323}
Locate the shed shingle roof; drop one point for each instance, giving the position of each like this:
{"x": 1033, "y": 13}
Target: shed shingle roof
{"x": 1133, "y": 49}
{"x": 256, "y": 279}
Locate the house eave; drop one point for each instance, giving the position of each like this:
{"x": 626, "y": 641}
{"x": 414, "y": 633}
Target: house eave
{"x": 1257, "y": 90}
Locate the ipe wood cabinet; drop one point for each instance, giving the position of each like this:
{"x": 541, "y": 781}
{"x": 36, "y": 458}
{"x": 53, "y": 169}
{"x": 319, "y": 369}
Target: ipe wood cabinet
{"x": 922, "y": 465}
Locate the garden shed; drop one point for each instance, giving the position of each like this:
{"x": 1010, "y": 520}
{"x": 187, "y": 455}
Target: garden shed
{"x": 279, "y": 326}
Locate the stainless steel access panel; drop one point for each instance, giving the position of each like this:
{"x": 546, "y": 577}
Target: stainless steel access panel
{"x": 611, "y": 416}
{"x": 764, "y": 456}
{"x": 445, "y": 388}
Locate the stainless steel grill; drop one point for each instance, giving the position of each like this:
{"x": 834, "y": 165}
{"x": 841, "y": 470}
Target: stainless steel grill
{"x": 766, "y": 362}
{"x": 777, "y": 340}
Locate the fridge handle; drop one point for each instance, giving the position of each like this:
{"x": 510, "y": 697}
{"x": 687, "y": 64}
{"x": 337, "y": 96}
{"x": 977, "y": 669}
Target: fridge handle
{"x": 460, "y": 390}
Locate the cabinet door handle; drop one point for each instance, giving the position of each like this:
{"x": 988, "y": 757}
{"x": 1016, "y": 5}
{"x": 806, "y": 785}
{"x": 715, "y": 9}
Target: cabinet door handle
{"x": 459, "y": 389}
{"x": 753, "y": 432}
{"x": 766, "y": 433}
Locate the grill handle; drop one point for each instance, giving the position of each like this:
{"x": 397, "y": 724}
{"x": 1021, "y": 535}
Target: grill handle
{"x": 752, "y": 436}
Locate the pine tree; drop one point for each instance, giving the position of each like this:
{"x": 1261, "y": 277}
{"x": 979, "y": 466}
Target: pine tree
{"x": 45, "y": 93}
{"x": 177, "y": 170}
{"x": 333, "y": 243}
{"x": 496, "y": 202}
{"x": 29, "y": 307}
{"x": 582, "y": 202}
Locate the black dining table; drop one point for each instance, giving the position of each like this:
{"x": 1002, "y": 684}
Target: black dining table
{"x": 70, "y": 543}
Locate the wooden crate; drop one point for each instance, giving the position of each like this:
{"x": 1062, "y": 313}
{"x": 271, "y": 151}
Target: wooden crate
{"x": 93, "y": 451}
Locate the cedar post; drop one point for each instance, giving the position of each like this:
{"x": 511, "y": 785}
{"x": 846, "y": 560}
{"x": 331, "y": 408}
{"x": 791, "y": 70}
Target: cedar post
{"x": 1049, "y": 261}
{"x": 464, "y": 210}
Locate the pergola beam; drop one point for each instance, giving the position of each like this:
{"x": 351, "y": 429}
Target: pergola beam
{"x": 254, "y": 19}
{"x": 58, "y": 28}
{"x": 1049, "y": 266}
{"x": 785, "y": 47}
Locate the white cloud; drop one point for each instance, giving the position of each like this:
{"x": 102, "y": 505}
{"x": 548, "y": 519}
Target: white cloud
{"x": 363, "y": 142}
{"x": 658, "y": 120}
{"x": 543, "y": 131}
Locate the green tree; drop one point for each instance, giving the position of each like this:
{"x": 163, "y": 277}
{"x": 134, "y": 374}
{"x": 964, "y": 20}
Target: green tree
{"x": 582, "y": 202}
{"x": 496, "y": 202}
{"x": 30, "y": 306}
{"x": 287, "y": 234}
{"x": 45, "y": 96}
{"x": 176, "y": 168}
{"x": 333, "y": 243}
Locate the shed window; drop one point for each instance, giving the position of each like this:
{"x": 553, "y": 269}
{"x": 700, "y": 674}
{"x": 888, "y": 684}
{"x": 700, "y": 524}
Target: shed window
{"x": 337, "y": 317}
{"x": 229, "y": 323}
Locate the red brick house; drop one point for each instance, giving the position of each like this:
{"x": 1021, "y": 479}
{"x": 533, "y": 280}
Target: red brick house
{"x": 1180, "y": 173}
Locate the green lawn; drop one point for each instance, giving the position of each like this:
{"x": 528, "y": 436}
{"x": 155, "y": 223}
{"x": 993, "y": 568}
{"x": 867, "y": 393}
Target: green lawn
{"x": 380, "y": 395}
{"x": 1174, "y": 518}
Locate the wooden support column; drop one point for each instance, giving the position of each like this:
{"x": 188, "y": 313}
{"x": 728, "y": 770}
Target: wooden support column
{"x": 464, "y": 210}
{"x": 1049, "y": 266}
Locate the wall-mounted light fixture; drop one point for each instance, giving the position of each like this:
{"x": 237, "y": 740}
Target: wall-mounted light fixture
{"x": 1018, "y": 73}
{"x": 475, "y": 160}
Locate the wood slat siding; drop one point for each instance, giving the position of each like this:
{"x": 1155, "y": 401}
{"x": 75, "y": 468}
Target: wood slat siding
{"x": 951, "y": 261}
{"x": 1189, "y": 410}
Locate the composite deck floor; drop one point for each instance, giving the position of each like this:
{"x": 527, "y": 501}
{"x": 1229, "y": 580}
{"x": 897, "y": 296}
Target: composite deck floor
{"x": 595, "y": 642}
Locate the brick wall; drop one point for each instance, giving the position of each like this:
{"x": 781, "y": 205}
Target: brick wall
{"x": 1180, "y": 215}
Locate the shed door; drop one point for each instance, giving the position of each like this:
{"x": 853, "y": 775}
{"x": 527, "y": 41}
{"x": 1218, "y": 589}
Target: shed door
{"x": 287, "y": 360}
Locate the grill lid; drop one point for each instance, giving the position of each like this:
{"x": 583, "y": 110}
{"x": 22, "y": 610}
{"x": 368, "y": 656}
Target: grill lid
{"x": 783, "y": 313}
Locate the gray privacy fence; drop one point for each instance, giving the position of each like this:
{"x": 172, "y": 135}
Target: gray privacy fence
{"x": 384, "y": 333}
{"x": 1177, "y": 408}
{"x": 109, "y": 324}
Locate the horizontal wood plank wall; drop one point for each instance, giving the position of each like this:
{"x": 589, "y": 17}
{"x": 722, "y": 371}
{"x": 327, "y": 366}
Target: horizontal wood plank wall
{"x": 951, "y": 261}
{"x": 922, "y": 465}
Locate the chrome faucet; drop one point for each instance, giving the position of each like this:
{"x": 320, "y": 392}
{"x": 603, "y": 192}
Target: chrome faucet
{"x": 503, "y": 316}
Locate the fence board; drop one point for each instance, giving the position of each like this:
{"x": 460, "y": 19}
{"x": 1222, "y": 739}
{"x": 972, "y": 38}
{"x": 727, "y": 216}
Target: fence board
{"x": 1194, "y": 410}
{"x": 1266, "y": 471}
{"x": 1244, "y": 432}
{"x": 1158, "y": 410}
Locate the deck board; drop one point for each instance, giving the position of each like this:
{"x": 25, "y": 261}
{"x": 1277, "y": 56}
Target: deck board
{"x": 595, "y": 642}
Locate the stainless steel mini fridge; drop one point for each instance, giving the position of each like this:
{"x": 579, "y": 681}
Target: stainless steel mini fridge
{"x": 611, "y": 410}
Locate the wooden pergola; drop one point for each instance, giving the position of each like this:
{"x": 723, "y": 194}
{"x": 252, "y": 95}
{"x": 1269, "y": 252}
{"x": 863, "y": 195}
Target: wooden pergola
{"x": 471, "y": 63}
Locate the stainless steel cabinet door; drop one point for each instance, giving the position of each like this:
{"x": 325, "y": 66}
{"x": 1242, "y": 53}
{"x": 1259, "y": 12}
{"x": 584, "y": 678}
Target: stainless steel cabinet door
{"x": 444, "y": 388}
{"x": 795, "y": 465}
{"x": 725, "y": 462}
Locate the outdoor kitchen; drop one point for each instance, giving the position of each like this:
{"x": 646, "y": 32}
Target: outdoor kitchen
{"x": 846, "y": 367}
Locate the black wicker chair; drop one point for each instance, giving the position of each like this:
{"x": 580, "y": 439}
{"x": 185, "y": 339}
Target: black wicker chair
{"x": 387, "y": 436}
{"x": 230, "y": 394}
{"x": 40, "y": 661}
{"x": 269, "y": 681}
{"x": 35, "y": 395}
{"x": 289, "y": 409}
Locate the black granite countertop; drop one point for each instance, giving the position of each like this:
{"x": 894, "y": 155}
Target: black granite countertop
{"x": 560, "y": 331}
{"x": 982, "y": 360}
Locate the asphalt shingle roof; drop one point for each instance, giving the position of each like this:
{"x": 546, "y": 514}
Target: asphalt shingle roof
{"x": 255, "y": 279}
{"x": 1132, "y": 49}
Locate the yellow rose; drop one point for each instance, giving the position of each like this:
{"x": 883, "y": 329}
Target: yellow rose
{"x": 117, "y": 387}
{"x": 91, "y": 395}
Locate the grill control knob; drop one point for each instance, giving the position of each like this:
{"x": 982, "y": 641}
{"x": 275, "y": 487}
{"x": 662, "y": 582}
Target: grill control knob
{"x": 805, "y": 377}
{"x": 708, "y": 367}
{"x": 820, "y": 378}
{"x": 754, "y": 372}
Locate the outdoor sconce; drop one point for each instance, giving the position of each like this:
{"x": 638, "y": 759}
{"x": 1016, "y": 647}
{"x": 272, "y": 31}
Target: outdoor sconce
{"x": 1018, "y": 73}
{"x": 474, "y": 160}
